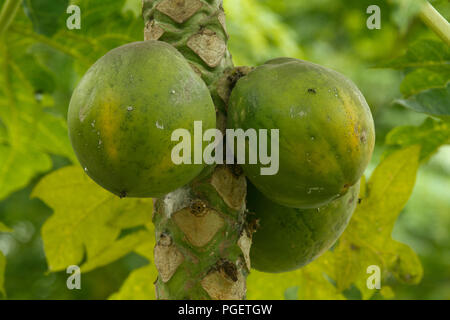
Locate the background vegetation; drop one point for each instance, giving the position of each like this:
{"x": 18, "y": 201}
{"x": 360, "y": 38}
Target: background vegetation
{"x": 52, "y": 216}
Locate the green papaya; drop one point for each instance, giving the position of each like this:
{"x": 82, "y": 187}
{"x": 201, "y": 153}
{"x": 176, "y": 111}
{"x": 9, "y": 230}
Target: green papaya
{"x": 289, "y": 238}
{"x": 123, "y": 113}
{"x": 326, "y": 130}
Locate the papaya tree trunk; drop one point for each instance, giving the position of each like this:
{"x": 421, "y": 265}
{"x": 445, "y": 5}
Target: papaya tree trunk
{"x": 202, "y": 238}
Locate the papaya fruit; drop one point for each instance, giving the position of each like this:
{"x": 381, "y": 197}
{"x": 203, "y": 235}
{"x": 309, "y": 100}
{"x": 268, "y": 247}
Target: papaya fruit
{"x": 123, "y": 112}
{"x": 326, "y": 130}
{"x": 289, "y": 238}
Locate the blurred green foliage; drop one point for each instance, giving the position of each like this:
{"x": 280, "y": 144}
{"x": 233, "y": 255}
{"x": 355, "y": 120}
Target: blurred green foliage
{"x": 41, "y": 62}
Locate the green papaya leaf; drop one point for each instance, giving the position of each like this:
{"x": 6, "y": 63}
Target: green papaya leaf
{"x": 18, "y": 165}
{"x": 424, "y": 79}
{"x": 140, "y": 283}
{"x": 99, "y": 33}
{"x": 29, "y": 131}
{"x": 367, "y": 240}
{"x": 83, "y": 220}
{"x": 387, "y": 292}
{"x": 270, "y": 286}
{"x": 4, "y": 228}
{"x": 431, "y": 135}
{"x": 32, "y": 135}
{"x": 291, "y": 293}
{"x": 146, "y": 248}
{"x": 138, "y": 286}
{"x": 60, "y": 67}
{"x": 311, "y": 281}
{"x": 424, "y": 53}
{"x": 426, "y": 86}
{"x": 2, "y": 274}
{"x": 47, "y": 16}
{"x": 118, "y": 249}
{"x": 38, "y": 77}
{"x": 434, "y": 102}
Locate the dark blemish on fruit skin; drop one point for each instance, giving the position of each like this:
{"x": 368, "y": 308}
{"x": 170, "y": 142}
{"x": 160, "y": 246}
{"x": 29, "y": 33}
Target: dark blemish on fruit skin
{"x": 363, "y": 138}
{"x": 313, "y": 91}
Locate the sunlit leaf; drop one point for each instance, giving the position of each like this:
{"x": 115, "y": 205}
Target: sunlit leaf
{"x": 118, "y": 249}
{"x": 140, "y": 283}
{"x": 311, "y": 281}
{"x": 38, "y": 76}
{"x": 82, "y": 223}
{"x": 433, "y": 102}
{"x": 387, "y": 292}
{"x": 138, "y": 286}
{"x": 367, "y": 240}
{"x": 18, "y": 166}
{"x": 33, "y": 134}
{"x": 146, "y": 250}
{"x": 270, "y": 286}
{"x": 291, "y": 293}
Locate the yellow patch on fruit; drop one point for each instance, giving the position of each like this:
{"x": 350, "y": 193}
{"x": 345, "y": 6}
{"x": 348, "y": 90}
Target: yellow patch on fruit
{"x": 109, "y": 124}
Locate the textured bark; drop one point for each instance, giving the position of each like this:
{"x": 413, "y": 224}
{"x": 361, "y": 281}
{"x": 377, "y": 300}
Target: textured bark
{"x": 202, "y": 239}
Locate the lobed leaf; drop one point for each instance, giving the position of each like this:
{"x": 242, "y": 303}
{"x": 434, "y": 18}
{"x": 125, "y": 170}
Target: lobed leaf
{"x": 366, "y": 241}
{"x": 39, "y": 56}
{"x": 18, "y": 165}
{"x": 117, "y": 250}
{"x": 84, "y": 218}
